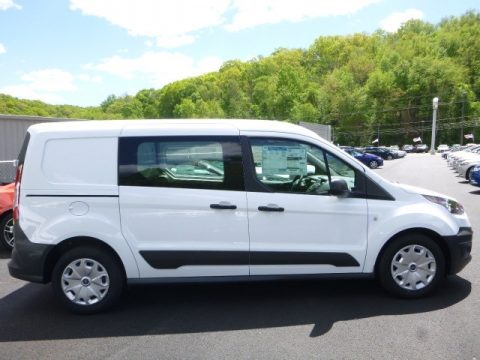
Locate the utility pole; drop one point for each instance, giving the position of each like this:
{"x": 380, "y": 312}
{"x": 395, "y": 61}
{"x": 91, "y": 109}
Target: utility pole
{"x": 464, "y": 99}
{"x": 378, "y": 134}
{"x": 434, "y": 124}
{"x": 422, "y": 127}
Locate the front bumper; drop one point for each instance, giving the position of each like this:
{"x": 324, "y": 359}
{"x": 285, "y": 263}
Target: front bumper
{"x": 28, "y": 259}
{"x": 459, "y": 248}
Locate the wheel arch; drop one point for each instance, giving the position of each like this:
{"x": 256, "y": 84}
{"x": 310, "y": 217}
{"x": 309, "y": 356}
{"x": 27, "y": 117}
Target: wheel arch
{"x": 74, "y": 242}
{"x": 424, "y": 231}
{"x": 469, "y": 170}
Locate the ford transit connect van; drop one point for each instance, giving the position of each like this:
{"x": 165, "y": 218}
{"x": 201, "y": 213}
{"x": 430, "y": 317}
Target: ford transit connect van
{"x": 103, "y": 204}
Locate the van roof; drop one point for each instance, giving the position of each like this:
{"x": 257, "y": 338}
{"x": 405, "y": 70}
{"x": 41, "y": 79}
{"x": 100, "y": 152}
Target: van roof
{"x": 128, "y": 127}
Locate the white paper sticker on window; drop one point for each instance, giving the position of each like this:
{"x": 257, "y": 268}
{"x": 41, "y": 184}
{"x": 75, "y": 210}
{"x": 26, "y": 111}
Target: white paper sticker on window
{"x": 284, "y": 160}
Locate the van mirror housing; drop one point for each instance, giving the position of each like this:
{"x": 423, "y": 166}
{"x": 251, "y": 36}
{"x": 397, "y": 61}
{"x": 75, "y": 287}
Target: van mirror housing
{"x": 339, "y": 188}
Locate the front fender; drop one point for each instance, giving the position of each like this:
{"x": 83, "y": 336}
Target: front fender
{"x": 384, "y": 223}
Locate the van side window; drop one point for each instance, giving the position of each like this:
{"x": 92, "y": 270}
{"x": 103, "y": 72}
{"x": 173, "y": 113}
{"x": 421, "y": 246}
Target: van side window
{"x": 296, "y": 167}
{"x": 196, "y": 163}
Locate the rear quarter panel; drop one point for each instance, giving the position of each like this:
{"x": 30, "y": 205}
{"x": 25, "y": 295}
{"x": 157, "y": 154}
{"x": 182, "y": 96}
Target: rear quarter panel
{"x": 69, "y": 189}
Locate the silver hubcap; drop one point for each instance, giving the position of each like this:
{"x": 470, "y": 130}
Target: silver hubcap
{"x": 413, "y": 267}
{"x": 85, "y": 281}
{"x": 8, "y": 233}
{"x": 373, "y": 165}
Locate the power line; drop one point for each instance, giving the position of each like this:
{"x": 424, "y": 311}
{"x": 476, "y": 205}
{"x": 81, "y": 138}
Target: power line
{"x": 440, "y": 126}
{"x": 372, "y": 112}
{"x": 403, "y": 124}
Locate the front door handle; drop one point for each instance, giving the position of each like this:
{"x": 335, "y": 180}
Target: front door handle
{"x": 271, "y": 207}
{"x": 223, "y": 206}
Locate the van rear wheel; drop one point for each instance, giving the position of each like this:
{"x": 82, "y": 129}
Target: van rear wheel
{"x": 411, "y": 266}
{"x": 87, "y": 280}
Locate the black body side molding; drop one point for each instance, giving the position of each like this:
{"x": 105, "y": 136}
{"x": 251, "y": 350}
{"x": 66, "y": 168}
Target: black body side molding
{"x": 168, "y": 259}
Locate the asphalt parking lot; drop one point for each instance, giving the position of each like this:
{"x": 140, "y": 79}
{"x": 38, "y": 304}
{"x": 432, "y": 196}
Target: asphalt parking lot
{"x": 328, "y": 319}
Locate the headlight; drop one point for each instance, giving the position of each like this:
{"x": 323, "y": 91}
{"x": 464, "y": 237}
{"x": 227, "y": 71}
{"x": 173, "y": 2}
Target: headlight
{"x": 451, "y": 205}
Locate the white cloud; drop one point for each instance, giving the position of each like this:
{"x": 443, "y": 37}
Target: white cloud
{"x": 177, "y": 23}
{"x": 394, "y": 21}
{"x": 46, "y": 85}
{"x": 170, "y": 22}
{"x": 89, "y": 78}
{"x": 26, "y": 92}
{"x": 160, "y": 67}
{"x": 8, "y": 4}
{"x": 2, "y": 49}
{"x": 251, "y": 13}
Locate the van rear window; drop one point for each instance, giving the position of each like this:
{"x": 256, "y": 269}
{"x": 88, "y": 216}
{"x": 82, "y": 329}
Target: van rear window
{"x": 198, "y": 163}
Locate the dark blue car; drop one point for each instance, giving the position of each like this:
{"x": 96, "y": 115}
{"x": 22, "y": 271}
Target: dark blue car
{"x": 371, "y": 160}
{"x": 475, "y": 176}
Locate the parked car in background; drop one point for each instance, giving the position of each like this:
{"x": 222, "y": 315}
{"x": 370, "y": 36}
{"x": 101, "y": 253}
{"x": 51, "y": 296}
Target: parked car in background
{"x": 465, "y": 163}
{"x": 442, "y": 148}
{"x": 384, "y": 153}
{"x": 475, "y": 176}
{"x": 466, "y": 166}
{"x": 399, "y": 153}
{"x": 421, "y": 148}
{"x": 6, "y": 216}
{"x": 408, "y": 148}
{"x": 457, "y": 157}
{"x": 371, "y": 160}
{"x": 453, "y": 149}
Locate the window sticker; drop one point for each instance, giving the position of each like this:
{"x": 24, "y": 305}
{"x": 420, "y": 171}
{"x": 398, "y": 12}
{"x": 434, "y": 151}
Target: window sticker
{"x": 284, "y": 160}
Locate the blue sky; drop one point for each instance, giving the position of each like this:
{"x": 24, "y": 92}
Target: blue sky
{"x": 80, "y": 51}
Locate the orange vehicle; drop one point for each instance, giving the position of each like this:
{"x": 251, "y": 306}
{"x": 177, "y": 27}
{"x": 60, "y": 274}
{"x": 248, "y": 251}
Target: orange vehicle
{"x": 7, "y": 193}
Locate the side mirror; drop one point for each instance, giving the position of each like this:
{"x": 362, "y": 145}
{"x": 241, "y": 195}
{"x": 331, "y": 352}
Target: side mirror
{"x": 339, "y": 188}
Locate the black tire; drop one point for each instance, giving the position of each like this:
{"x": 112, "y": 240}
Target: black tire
{"x": 373, "y": 164}
{"x": 395, "y": 249}
{"x": 6, "y": 234}
{"x": 91, "y": 256}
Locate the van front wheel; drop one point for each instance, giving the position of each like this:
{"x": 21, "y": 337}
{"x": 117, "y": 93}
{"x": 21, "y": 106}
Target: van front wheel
{"x": 411, "y": 266}
{"x": 87, "y": 280}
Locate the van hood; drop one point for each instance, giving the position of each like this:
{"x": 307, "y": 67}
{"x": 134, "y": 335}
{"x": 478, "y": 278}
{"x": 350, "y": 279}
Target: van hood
{"x": 418, "y": 190}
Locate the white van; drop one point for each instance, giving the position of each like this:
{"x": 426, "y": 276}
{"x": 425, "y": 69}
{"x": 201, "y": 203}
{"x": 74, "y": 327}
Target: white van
{"x": 103, "y": 204}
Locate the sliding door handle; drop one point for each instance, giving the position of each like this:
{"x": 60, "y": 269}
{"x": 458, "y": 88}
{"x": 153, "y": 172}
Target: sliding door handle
{"x": 223, "y": 206}
{"x": 271, "y": 207}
